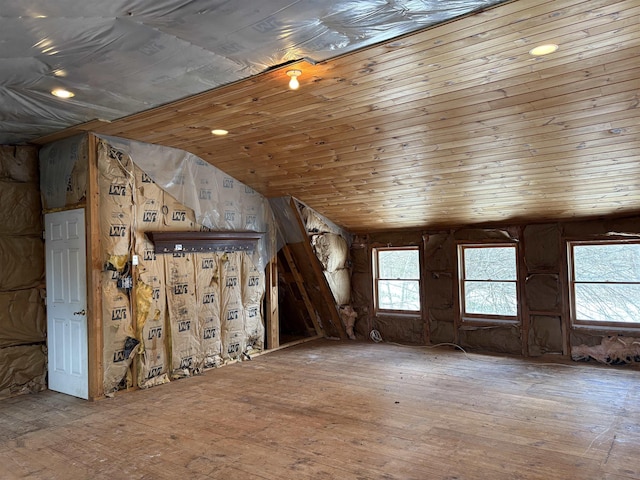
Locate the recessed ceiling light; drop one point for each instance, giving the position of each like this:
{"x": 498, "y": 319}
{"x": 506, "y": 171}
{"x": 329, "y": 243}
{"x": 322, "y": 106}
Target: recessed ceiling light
{"x": 62, "y": 93}
{"x": 543, "y": 49}
{"x": 219, "y": 131}
{"x": 60, "y": 72}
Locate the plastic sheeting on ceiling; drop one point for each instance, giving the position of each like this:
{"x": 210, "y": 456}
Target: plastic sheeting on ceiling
{"x": 121, "y": 57}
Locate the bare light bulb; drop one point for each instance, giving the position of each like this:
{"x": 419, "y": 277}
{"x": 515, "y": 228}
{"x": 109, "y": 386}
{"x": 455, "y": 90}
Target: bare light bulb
{"x": 294, "y": 84}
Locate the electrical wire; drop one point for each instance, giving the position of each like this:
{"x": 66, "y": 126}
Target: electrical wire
{"x": 377, "y": 338}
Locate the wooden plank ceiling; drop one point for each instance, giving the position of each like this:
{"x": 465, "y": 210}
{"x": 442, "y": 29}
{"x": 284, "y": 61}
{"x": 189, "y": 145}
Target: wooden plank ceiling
{"x": 454, "y": 125}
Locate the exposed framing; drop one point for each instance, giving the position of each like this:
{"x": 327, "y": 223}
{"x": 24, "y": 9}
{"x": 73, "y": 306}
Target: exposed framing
{"x": 94, "y": 276}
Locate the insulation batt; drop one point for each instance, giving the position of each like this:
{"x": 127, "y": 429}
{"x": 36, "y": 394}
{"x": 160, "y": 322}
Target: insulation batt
{"x": 253, "y": 288}
{"x": 231, "y": 295}
{"x": 17, "y": 164}
{"x": 117, "y": 327}
{"x": 340, "y": 285}
{"x": 151, "y": 308}
{"x": 172, "y": 49}
{"x": 193, "y": 310}
{"x": 186, "y": 357}
{"x": 23, "y": 323}
{"x": 22, "y": 260}
{"x": 219, "y": 202}
{"x": 116, "y": 212}
{"x": 149, "y": 203}
{"x": 176, "y": 216}
{"x": 116, "y": 202}
{"x": 23, "y": 369}
{"x": 64, "y": 163}
{"x": 614, "y": 350}
{"x": 21, "y": 211}
{"x": 332, "y": 251}
{"x": 151, "y": 299}
{"x": 23, "y": 318}
{"x": 208, "y": 297}
{"x": 348, "y": 316}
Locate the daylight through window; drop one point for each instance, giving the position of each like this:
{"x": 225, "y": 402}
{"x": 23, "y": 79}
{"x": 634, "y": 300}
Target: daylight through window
{"x": 488, "y": 282}
{"x": 397, "y": 279}
{"x": 605, "y": 282}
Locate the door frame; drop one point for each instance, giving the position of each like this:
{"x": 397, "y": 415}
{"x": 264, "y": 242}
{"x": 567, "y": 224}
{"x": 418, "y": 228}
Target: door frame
{"x": 94, "y": 275}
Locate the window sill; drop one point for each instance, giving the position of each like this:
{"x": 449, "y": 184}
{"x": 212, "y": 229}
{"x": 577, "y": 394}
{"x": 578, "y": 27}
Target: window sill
{"x": 607, "y": 329}
{"x": 399, "y": 314}
{"x": 473, "y": 323}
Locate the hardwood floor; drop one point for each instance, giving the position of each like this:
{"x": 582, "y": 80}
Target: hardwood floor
{"x": 341, "y": 410}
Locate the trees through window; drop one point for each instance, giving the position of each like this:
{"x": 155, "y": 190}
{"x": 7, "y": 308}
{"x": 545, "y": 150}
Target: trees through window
{"x": 488, "y": 282}
{"x": 397, "y": 279}
{"x": 605, "y": 282}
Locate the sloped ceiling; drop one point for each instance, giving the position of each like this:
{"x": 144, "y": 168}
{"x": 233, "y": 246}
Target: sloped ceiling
{"x": 121, "y": 57}
{"x": 452, "y": 125}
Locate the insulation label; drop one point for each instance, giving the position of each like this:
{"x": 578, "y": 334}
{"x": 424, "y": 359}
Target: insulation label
{"x": 150, "y": 216}
{"x": 208, "y": 263}
{"x": 118, "y": 190}
{"x": 144, "y": 178}
{"x": 119, "y": 314}
{"x": 155, "y": 371}
{"x": 179, "y": 216}
{"x": 155, "y": 332}
{"x": 117, "y": 230}
{"x": 209, "y": 333}
{"x": 208, "y": 298}
{"x": 181, "y": 289}
{"x": 186, "y": 362}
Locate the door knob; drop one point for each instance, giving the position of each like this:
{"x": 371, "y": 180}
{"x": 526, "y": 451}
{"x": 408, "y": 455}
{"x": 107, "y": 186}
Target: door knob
{"x": 81, "y": 312}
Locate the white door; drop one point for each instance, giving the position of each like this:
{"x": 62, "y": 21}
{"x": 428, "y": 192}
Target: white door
{"x": 65, "y": 247}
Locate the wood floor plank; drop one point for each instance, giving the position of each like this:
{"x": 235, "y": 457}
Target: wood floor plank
{"x": 342, "y": 410}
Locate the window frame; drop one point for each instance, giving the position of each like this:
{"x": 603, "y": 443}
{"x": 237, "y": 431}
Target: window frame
{"x": 376, "y": 278}
{"x": 484, "y": 318}
{"x": 594, "y": 324}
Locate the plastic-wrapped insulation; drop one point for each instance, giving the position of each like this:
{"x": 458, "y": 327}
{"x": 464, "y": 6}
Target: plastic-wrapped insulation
{"x": 122, "y": 57}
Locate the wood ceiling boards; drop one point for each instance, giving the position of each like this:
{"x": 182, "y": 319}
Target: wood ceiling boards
{"x": 454, "y": 125}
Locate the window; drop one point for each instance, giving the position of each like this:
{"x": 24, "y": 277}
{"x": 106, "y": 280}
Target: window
{"x": 397, "y": 279}
{"x": 488, "y": 282}
{"x": 604, "y": 280}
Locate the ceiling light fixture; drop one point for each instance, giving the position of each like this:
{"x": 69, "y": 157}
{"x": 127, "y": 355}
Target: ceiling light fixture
{"x": 62, "y": 93}
{"x": 541, "y": 50}
{"x": 219, "y": 131}
{"x": 294, "y": 74}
